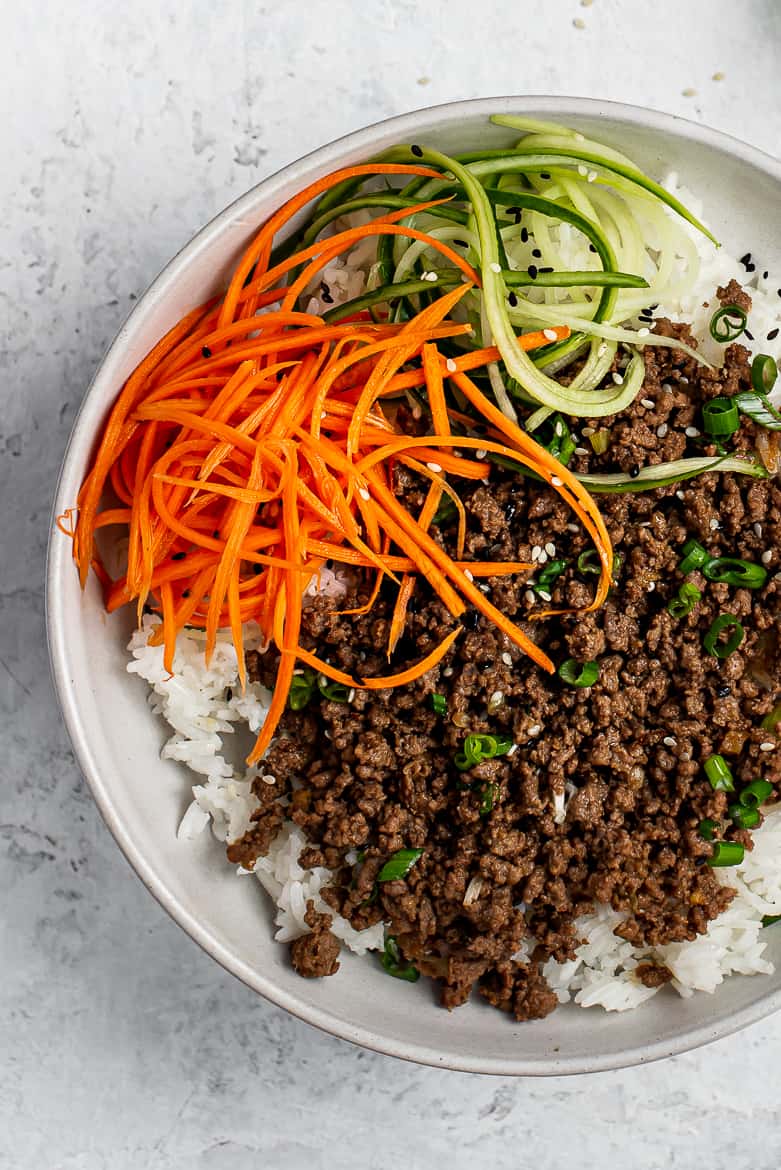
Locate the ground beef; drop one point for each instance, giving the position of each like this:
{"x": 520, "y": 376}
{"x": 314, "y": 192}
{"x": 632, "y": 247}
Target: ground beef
{"x": 316, "y": 954}
{"x": 500, "y": 869}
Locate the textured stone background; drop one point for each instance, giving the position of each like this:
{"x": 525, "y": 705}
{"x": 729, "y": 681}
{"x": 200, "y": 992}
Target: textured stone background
{"x": 125, "y": 128}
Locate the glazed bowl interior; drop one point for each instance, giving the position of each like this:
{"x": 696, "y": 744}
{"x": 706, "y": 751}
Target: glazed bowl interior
{"x": 117, "y": 740}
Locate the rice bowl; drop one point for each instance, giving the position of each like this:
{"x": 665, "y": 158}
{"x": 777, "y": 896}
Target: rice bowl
{"x": 230, "y": 807}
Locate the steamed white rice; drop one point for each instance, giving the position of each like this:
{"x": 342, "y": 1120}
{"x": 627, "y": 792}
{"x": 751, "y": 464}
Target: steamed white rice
{"x": 204, "y": 707}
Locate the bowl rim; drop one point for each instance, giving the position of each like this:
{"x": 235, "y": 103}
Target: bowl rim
{"x": 81, "y": 438}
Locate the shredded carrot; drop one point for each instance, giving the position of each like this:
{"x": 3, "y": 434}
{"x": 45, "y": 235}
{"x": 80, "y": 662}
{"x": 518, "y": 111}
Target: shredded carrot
{"x": 249, "y": 448}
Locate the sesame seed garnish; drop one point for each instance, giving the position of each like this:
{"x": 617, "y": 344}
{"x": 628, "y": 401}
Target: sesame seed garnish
{"x": 547, "y": 268}
{"x": 758, "y": 529}
{"x": 772, "y": 335}
{"x": 662, "y": 430}
{"x": 495, "y": 267}
{"x": 583, "y": 171}
{"x": 767, "y": 746}
{"x": 591, "y": 176}
{"x": 618, "y": 379}
{"x": 651, "y": 586}
{"x": 580, "y": 451}
{"x": 416, "y": 150}
{"x": 469, "y": 576}
{"x": 448, "y": 672}
{"x": 573, "y": 527}
{"x": 648, "y": 403}
{"x": 529, "y": 595}
{"x": 550, "y": 334}
{"x": 507, "y": 659}
{"x": 744, "y": 260}
{"x": 512, "y": 300}
{"x": 178, "y": 556}
{"x": 635, "y": 471}
{"x": 433, "y": 467}
{"x": 206, "y": 352}
{"x": 543, "y": 594}
{"x": 532, "y": 271}
{"x": 667, "y": 388}
{"x": 550, "y": 548}
{"x": 680, "y": 494}
{"x": 535, "y": 729}
{"x": 524, "y": 235}
{"x": 691, "y": 432}
{"x": 767, "y": 556}
{"x": 496, "y": 697}
{"x": 542, "y": 558}
{"x": 431, "y": 276}
{"x": 747, "y": 332}
{"x": 588, "y": 430}
{"x": 450, "y": 366}
{"x": 536, "y": 253}
{"x": 644, "y": 332}
{"x": 713, "y": 524}
{"x": 669, "y": 741}
{"x": 364, "y": 493}
{"x": 536, "y": 552}
{"x": 578, "y": 23}
{"x": 513, "y": 748}
{"x": 481, "y": 453}
{"x": 556, "y": 481}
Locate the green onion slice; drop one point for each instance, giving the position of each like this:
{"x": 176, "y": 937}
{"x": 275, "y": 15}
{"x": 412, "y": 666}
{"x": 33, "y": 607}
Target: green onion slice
{"x": 733, "y": 571}
{"x": 576, "y": 675}
{"x": 772, "y": 719}
{"x": 477, "y": 748}
{"x": 694, "y": 557}
{"x": 758, "y": 409}
{"x": 439, "y": 703}
{"x": 755, "y": 793}
{"x": 684, "y": 602}
{"x": 719, "y": 773}
{"x": 764, "y": 371}
{"x": 399, "y": 865}
{"x": 393, "y": 962}
{"x": 302, "y": 687}
{"x": 707, "y": 828}
{"x": 335, "y": 692}
{"x": 727, "y": 323}
{"x": 744, "y": 818}
{"x": 711, "y": 641}
{"x": 721, "y": 416}
{"x": 488, "y": 799}
{"x": 549, "y": 576}
{"x": 726, "y": 853}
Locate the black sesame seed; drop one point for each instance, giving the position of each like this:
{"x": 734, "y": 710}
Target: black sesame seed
{"x": 461, "y": 243}
{"x": 591, "y": 248}
{"x": 765, "y": 274}
{"x": 257, "y": 570}
{"x": 216, "y": 533}
{"x": 751, "y": 268}
{"x": 779, "y": 291}
{"x": 325, "y": 293}
{"x": 652, "y": 307}
{"x": 178, "y": 556}
{"x": 532, "y": 271}
{"x": 635, "y": 471}
{"x": 544, "y": 174}
{"x": 329, "y": 564}
{"x": 471, "y": 619}
{"x": 206, "y": 352}
{"x": 546, "y": 270}
{"x": 745, "y": 259}
{"x": 536, "y": 253}
{"x": 417, "y": 151}
{"x": 525, "y": 240}
{"x": 723, "y": 690}
{"x": 228, "y": 694}
{"x": 750, "y": 336}
{"x": 185, "y": 594}
{"x": 772, "y": 335}
{"x": 512, "y": 301}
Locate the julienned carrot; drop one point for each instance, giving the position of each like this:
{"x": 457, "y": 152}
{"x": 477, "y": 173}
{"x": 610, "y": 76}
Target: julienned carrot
{"x": 246, "y": 451}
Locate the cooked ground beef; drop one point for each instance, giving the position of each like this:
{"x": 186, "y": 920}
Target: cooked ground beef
{"x": 316, "y": 954}
{"x": 376, "y": 774}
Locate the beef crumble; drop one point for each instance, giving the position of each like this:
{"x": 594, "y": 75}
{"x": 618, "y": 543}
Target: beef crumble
{"x": 601, "y": 797}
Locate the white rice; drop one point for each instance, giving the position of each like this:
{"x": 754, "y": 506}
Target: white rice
{"x": 203, "y": 706}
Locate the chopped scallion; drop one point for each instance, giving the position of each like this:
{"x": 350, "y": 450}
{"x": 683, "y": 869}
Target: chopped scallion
{"x": 694, "y": 556}
{"x": 727, "y": 323}
{"x": 439, "y": 703}
{"x": 399, "y": 865}
{"x": 394, "y": 964}
{"x": 549, "y": 575}
{"x": 722, "y": 624}
{"x": 707, "y": 828}
{"x": 755, "y": 793}
{"x": 726, "y": 853}
{"x": 744, "y": 818}
{"x": 764, "y": 371}
{"x": 685, "y": 600}
{"x": 733, "y": 571}
{"x": 576, "y": 675}
{"x": 302, "y": 687}
{"x": 758, "y": 409}
{"x": 481, "y": 747}
{"x": 720, "y": 417}
{"x": 335, "y": 692}
{"x": 719, "y": 773}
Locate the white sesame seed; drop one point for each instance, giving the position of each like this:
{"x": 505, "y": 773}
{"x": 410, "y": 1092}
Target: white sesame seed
{"x": 535, "y": 729}
{"x": 433, "y": 467}
{"x": 351, "y": 694}
{"x": 691, "y": 432}
{"x": 417, "y": 413}
{"x": 495, "y": 267}
{"x": 683, "y": 381}
{"x": 662, "y": 430}
{"x": 448, "y": 672}
{"x": 529, "y": 596}
{"x": 450, "y": 366}
{"x": 550, "y": 334}
{"x": 644, "y": 332}
{"x": 536, "y": 552}
{"x": 558, "y": 429}
{"x": 588, "y": 430}
{"x": 512, "y": 750}
{"x": 542, "y": 558}
{"x": 469, "y": 576}
{"x": 680, "y": 495}
{"x": 481, "y": 452}
{"x": 591, "y": 176}
{"x": 507, "y": 659}
{"x": 651, "y": 586}
{"x": 573, "y": 528}
{"x": 432, "y": 276}
{"x": 543, "y": 594}
{"x": 767, "y": 556}
{"x": 669, "y": 741}
{"x": 267, "y": 778}
{"x": 648, "y": 403}
{"x": 550, "y": 548}
{"x": 484, "y": 588}
{"x": 364, "y": 493}
{"x": 556, "y": 481}
{"x": 582, "y": 170}
{"x": 581, "y": 451}
{"x": 766, "y": 747}
{"x": 713, "y": 524}
{"x": 618, "y": 379}
{"x": 667, "y": 388}
{"x": 758, "y": 529}
{"x": 496, "y": 697}
{"x": 578, "y": 23}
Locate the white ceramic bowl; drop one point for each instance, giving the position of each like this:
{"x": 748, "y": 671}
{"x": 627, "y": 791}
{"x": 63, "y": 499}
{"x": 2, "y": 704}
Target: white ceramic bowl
{"x": 117, "y": 741}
